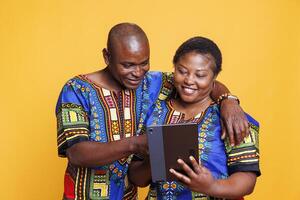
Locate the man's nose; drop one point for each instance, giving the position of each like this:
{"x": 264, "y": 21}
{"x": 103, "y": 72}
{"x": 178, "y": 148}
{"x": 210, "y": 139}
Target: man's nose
{"x": 138, "y": 71}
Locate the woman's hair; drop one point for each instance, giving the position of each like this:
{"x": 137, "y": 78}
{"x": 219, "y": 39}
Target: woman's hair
{"x": 200, "y": 45}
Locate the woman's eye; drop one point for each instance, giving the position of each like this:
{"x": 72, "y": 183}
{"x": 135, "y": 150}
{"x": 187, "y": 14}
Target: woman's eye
{"x": 182, "y": 71}
{"x": 200, "y": 75}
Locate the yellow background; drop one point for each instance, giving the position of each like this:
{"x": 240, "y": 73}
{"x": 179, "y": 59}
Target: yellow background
{"x": 44, "y": 43}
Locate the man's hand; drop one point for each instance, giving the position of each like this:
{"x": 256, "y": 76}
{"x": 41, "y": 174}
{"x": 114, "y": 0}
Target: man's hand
{"x": 139, "y": 172}
{"x": 139, "y": 144}
{"x": 234, "y": 122}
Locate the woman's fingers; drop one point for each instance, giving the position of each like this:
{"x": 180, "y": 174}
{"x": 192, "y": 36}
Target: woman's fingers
{"x": 186, "y": 180}
{"x": 196, "y": 166}
{"x": 186, "y": 168}
{"x": 204, "y": 170}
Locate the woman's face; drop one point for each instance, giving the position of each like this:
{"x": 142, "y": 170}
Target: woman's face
{"x": 194, "y": 76}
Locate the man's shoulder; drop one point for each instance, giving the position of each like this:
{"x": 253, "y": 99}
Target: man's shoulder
{"x": 78, "y": 82}
{"x": 158, "y": 74}
{"x": 153, "y": 74}
{"x": 158, "y": 77}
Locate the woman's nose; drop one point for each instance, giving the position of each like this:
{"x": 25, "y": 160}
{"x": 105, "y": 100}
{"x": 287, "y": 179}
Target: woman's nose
{"x": 188, "y": 80}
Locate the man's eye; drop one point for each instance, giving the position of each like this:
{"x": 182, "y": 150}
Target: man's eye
{"x": 145, "y": 64}
{"x": 127, "y": 65}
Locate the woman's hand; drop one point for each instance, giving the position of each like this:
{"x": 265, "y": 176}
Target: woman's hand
{"x": 198, "y": 179}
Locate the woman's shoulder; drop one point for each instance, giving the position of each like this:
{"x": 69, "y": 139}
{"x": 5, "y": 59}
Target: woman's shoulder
{"x": 252, "y": 120}
{"x": 216, "y": 107}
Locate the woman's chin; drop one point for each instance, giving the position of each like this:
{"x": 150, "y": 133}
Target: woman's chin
{"x": 187, "y": 99}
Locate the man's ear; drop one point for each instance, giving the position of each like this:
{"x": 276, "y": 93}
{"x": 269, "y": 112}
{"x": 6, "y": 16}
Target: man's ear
{"x": 106, "y": 56}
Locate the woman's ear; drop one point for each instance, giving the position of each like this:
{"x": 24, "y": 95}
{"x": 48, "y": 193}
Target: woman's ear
{"x": 214, "y": 82}
{"x": 215, "y": 77}
{"x": 106, "y": 56}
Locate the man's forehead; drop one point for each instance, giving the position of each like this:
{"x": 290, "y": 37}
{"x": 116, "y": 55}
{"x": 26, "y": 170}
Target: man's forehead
{"x": 130, "y": 43}
{"x": 131, "y": 50}
{"x": 134, "y": 45}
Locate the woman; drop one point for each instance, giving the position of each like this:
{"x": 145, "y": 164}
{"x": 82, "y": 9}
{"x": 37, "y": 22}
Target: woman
{"x": 224, "y": 171}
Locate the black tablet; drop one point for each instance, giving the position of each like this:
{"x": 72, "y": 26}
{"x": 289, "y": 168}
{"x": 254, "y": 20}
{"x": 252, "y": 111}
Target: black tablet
{"x": 169, "y": 142}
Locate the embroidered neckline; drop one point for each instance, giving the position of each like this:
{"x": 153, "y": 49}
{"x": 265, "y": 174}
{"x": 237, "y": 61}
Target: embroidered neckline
{"x": 196, "y": 119}
{"x": 119, "y": 110}
{"x": 85, "y": 78}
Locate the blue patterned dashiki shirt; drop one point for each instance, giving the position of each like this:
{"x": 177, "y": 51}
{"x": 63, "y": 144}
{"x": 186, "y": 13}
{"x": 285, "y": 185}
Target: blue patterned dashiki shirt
{"x": 219, "y": 157}
{"x": 87, "y": 112}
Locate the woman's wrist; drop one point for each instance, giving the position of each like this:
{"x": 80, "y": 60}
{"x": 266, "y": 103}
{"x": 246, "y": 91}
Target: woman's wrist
{"x": 214, "y": 189}
{"x": 221, "y": 188}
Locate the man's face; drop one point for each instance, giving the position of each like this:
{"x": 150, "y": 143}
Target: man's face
{"x": 129, "y": 62}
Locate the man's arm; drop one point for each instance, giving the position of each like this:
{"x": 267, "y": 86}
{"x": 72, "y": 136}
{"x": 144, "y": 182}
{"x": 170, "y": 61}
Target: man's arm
{"x": 233, "y": 120}
{"x": 73, "y": 132}
{"x": 92, "y": 154}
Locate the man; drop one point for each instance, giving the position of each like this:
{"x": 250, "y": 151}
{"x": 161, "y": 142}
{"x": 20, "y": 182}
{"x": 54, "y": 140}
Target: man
{"x": 100, "y": 114}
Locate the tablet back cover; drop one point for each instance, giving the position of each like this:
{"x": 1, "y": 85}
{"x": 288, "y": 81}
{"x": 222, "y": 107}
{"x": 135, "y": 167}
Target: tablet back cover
{"x": 167, "y": 143}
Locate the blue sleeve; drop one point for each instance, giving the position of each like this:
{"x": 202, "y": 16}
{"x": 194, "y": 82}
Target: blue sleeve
{"x": 157, "y": 86}
{"x": 160, "y": 85}
{"x": 72, "y": 116}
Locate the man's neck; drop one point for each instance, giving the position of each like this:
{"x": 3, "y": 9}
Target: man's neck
{"x": 104, "y": 79}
